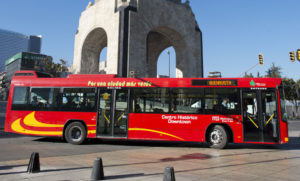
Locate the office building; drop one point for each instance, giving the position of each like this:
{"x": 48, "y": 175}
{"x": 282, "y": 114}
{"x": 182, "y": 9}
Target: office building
{"x": 12, "y": 43}
{"x": 25, "y": 61}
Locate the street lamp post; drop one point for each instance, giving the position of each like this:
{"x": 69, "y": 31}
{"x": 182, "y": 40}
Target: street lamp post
{"x": 169, "y": 64}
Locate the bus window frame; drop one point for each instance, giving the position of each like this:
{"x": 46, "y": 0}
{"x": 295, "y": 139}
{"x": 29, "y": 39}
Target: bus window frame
{"x": 28, "y": 107}
{"x": 237, "y": 111}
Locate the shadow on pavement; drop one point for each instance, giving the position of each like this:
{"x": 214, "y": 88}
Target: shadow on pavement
{"x": 69, "y": 169}
{"x": 294, "y": 143}
{"x": 12, "y": 173}
{"x": 229, "y": 165}
{"x": 9, "y": 135}
{"x": 50, "y": 140}
{"x": 7, "y": 167}
{"x": 193, "y": 156}
{"x": 122, "y": 142}
{"x": 124, "y": 176}
{"x": 48, "y": 170}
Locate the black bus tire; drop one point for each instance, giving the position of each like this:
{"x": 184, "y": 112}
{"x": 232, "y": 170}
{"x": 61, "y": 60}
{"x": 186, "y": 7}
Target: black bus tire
{"x": 75, "y": 133}
{"x": 218, "y": 137}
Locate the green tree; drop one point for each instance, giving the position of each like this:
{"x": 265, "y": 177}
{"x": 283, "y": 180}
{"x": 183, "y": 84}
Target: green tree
{"x": 55, "y": 69}
{"x": 248, "y": 75}
{"x": 274, "y": 71}
{"x": 289, "y": 88}
{"x": 298, "y": 89}
{"x": 258, "y": 75}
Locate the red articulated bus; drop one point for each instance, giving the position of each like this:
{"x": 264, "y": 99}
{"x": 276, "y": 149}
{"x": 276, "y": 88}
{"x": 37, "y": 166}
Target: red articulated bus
{"x": 216, "y": 111}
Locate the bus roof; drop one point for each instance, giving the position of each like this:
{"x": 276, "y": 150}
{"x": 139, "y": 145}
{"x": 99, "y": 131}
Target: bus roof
{"x": 30, "y": 78}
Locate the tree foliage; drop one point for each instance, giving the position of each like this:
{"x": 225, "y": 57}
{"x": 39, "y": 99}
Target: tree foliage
{"x": 290, "y": 88}
{"x": 249, "y": 75}
{"x": 274, "y": 71}
{"x": 55, "y": 69}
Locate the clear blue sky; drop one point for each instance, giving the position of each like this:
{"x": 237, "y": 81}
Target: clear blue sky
{"x": 234, "y": 31}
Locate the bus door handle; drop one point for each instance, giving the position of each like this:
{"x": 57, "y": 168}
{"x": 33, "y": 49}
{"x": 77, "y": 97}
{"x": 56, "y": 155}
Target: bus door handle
{"x": 253, "y": 122}
{"x": 269, "y": 120}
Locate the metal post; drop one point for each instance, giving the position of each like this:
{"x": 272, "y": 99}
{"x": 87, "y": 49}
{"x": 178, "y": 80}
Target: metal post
{"x": 169, "y": 64}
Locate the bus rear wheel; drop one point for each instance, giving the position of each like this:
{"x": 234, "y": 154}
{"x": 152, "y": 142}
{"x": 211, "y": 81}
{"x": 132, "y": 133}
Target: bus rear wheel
{"x": 218, "y": 137}
{"x": 75, "y": 133}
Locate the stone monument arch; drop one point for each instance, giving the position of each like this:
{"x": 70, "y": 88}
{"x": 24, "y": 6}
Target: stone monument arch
{"x": 94, "y": 43}
{"x": 135, "y": 33}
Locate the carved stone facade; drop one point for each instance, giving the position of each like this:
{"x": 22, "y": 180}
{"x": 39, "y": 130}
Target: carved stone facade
{"x": 135, "y": 33}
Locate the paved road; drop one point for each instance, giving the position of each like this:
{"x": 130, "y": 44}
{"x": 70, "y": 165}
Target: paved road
{"x": 294, "y": 125}
{"x": 145, "y": 161}
{"x": 16, "y": 147}
{"x": 130, "y": 161}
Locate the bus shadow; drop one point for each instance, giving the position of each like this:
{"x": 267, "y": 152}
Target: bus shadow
{"x": 144, "y": 143}
{"x": 136, "y": 143}
{"x": 9, "y": 135}
{"x": 50, "y": 140}
{"x": 294, "y": 144}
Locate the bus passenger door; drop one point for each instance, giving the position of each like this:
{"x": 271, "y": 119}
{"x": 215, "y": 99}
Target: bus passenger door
{"x": 104, "y": 121}
{"x": 251, "y": 121}
{"x": 270, "y": 116}
{"x": 112, "y": 113}
{"x": 260, "y": 116}
{"x": 121, "y": 113}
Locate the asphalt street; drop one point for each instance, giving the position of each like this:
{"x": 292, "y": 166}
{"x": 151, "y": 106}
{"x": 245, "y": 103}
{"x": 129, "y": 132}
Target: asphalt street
{"x": 140, "y": 160}
{"x": 17, "y": 147}
{"x": 294, "y": 125}
{"x": 134, "y": 160}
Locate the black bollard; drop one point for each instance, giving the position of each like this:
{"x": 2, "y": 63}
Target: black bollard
{"x": 97, "y": 173}
{"x": 34, "y": 163}
{"x": 169, "y": 174}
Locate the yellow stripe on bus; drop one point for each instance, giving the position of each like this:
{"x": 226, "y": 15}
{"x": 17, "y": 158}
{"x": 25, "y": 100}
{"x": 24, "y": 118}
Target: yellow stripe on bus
{"x": 16, "y": 126}
{"x": 155, "y": 131}
{"x": 30, "y": 120}
{"x": 92, "y": 132}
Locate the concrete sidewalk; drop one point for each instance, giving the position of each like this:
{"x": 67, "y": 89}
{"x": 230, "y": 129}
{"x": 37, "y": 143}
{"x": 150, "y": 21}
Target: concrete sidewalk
{"x": 240, "y": 163}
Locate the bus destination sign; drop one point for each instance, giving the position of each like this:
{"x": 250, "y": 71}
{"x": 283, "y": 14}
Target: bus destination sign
{"x": 214, "y": 82}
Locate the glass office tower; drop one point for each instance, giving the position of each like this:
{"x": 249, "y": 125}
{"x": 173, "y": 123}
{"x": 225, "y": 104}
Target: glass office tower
{"x": 12, "y": 43}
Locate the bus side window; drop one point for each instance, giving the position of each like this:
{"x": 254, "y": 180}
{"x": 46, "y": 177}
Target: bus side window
{"x": 151, "y": 100}
{"x": 79, "y": 100}
{"x": 187, "y": 101}
{"x": 39, "y": 98}
{"x": 222, "y": 101}
{"x": 43, "y": 98}
{"x": 20, "y": 98}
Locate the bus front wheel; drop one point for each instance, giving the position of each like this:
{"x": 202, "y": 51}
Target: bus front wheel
{"x": 75, "y": 133}
{"x": 218, "y": 137}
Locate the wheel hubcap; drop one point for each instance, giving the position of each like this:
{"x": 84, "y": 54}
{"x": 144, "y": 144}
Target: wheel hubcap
{"x": 75, "y": 134}
{"x": 216, "y": 137}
